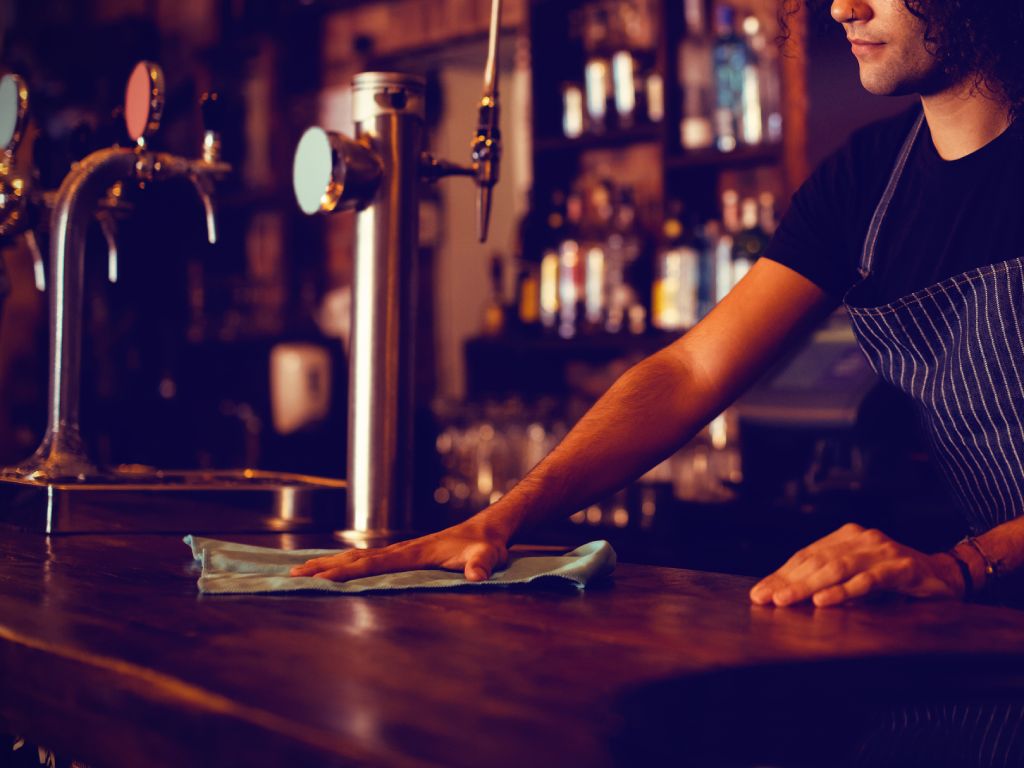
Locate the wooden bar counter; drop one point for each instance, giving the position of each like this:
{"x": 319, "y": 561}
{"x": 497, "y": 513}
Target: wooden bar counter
{"x": 108, "y": 654}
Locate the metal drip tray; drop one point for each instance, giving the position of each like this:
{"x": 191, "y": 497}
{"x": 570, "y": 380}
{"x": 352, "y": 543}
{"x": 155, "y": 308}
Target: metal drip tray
{"x": 142, "y": 500}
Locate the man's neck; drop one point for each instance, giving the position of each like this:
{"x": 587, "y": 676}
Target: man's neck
{"x": 964, "y": 118}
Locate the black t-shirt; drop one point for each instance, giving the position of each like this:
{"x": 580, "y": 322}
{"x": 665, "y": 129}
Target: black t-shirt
{"x": 946, "y": 217}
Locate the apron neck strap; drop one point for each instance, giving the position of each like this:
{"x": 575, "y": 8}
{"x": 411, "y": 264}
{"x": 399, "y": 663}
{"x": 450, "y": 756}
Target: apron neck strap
{"x": 868, "y": 252}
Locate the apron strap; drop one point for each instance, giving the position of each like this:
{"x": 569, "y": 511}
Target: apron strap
{"x": 868, "y": 252}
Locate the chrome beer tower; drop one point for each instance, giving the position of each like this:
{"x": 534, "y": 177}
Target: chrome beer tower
{"x": 62, "y": 456}
{"x": 376, "y": 173}
{"x": 59, "y": 489}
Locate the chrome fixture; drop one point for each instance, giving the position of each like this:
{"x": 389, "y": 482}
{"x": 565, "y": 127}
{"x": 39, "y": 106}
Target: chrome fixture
{"x": 20, "y": 201}
{"x": 376, "y": 173}
{"x": 62, "y": 455}
{"x": 59, "y": 489}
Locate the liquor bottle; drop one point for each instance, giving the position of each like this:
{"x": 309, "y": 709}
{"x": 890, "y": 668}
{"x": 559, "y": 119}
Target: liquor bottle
{"x": 637, "y": 85}
{"x": 674, "y": 304}
{"x": 667, "y": 278}
{"x": 570, "y": 269}
{"x": 594, "y": 241}
{"x": 531, "y": 242}
{"x": 572, "y": 111}
{"x": 766, "y": 203}
{"x": 624, "y": 248}
{"x": 654, "y": 97}
{"x": 633, "y": 258}
{"x": 768, "y": 82}
{"x": 624, "y": 91}
{"x": 494, "y": 309}
{"x": 528, "y": 297}
{"x": 719, "y": 254}
{"x": 707, "y": 288}
{"x": 695, "y": 18}
{"x": 597, "y": 69}
{"x": 731, "y": 211}
{"x": 696, "y": 76}
{"x": 750, "y": 242}
{"x": 730, "y": 56}
{"x": 554, "y": 230}
{"x": 724, "y": 243}
{"x": 751, "y": 122}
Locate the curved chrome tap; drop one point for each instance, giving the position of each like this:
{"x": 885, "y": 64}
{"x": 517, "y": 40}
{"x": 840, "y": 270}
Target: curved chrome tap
{"x": 61, "y": 454}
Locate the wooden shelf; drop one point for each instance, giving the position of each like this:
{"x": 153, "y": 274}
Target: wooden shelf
{"x": 742, "y": 157}
{"x": 641, "y": 134}
{"x": 602, "y": 344}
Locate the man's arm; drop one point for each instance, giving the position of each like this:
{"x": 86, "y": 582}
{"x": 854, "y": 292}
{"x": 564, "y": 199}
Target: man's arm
{"x": 647, "y": 414}
{"x": 663, "y": 401}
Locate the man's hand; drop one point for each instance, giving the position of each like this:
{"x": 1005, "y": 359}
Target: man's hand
{"x": 471, "y": 547}
{"x": 853, "y": 562}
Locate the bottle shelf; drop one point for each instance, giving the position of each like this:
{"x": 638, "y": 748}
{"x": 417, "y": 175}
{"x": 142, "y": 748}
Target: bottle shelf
{"x": 641, "y": 134}
{"x": 742, "y": 157}
{"x": 581, "y": 346}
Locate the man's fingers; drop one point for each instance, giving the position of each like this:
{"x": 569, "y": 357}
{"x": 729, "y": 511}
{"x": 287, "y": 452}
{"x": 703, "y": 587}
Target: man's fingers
{"x": 480, "y": 561}
{"x": 764, "y": 591}
{"x": 333, "y": 574}
{"x": 767, "y": 590}
{"x": 318, "y": 564}
{"x": 830, "y": 574}
{"x": 880, "y": 577}
{"x": 358, "y": 563}
{"x": 370, "y": 564}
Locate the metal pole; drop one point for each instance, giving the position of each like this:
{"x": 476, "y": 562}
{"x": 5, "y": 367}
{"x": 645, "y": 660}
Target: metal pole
{"x": 389, "y": 115}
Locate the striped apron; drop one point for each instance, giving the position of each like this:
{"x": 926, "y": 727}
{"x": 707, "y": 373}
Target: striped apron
{"x": 957, "y": 349}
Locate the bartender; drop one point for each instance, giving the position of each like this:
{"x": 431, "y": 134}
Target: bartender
{"x": 915, "y": 224}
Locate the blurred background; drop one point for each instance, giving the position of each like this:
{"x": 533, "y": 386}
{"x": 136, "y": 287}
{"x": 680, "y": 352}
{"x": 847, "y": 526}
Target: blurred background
{"x": 650, "y": 148}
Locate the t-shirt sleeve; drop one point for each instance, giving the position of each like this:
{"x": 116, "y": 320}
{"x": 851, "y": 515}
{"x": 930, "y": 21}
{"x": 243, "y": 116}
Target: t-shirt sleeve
{"x": 812, "y": 238}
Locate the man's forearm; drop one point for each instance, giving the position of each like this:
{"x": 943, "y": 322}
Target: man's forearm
{"x": 647, "y": 414}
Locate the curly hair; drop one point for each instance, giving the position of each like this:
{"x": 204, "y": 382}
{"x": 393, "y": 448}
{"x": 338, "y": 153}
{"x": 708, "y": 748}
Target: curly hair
{"x": 971, "y": 38}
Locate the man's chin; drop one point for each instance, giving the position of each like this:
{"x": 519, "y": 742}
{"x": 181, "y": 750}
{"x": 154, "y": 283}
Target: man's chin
{"x": 885, "y": 84}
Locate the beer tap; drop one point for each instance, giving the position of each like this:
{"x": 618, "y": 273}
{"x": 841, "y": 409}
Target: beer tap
{"x": 487, "y": 143}
{"x": 20, "y": 200}
{"x": 376, "y": 174}
{"x": 61, "y": 455}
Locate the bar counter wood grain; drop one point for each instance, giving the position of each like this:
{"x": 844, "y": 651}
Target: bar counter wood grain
{"x": 109, "y": 655}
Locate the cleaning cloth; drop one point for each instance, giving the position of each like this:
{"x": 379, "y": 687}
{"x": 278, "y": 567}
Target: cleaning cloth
{"x": 230, "y": 568}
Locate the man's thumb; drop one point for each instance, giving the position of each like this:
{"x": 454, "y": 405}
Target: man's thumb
{"x": 480, "y": 561}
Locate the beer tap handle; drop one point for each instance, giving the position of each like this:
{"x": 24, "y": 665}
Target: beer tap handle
{"x": 13, "y": 115}
{"x": 15, "y": 188}
{"x": 487, "y": 142}
{"x": 333, "y": 172}
{"x": 144, "y": 102}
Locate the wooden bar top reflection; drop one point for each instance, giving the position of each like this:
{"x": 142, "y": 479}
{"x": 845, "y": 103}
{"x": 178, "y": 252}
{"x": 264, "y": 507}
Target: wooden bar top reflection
{"x": 108, "y": 653}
